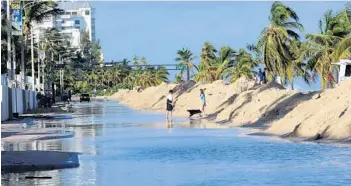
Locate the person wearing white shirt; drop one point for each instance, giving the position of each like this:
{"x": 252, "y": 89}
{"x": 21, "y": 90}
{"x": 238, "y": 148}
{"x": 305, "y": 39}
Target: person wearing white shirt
{"x": 169, "y": 105}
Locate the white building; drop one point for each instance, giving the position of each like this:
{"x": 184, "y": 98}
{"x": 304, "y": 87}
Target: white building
{"x": 77, "y": 16}
{"x": 342, "y": 70}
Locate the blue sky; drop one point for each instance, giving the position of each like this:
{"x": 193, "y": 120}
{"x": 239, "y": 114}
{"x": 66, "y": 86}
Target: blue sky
{"x": 156, "y": 30}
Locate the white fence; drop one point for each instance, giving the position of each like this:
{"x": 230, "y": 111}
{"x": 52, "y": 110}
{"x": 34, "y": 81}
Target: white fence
{"x": 16, "y": 100}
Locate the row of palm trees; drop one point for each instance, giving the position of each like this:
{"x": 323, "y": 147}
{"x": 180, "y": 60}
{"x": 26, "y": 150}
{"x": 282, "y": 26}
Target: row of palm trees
{"x": 124, "y": 74}
{"x": 280, "y": 49}
{"x": 215, "y": 65}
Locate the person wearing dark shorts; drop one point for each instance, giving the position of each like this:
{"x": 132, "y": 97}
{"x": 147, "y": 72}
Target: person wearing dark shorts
{"x": 169, "y": 106}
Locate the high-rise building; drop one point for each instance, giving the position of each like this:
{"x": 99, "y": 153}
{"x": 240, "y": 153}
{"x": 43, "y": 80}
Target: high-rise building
{"x": 76, "y": 18}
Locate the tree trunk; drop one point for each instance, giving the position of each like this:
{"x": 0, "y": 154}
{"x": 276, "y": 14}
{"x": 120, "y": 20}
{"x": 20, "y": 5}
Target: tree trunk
{"x": 187, "y": 73}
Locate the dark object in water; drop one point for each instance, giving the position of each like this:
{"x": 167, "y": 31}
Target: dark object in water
{"x": 194, "y": 111}
{"x": 38, "y": 177}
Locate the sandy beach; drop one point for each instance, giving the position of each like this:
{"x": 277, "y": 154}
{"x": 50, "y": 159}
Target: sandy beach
{"x": 270, "y": 108}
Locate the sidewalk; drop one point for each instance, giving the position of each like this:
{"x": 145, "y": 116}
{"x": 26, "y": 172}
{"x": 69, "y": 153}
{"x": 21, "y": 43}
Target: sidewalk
{"x": 15, "y": 132}
{"x": 20, "y": 161}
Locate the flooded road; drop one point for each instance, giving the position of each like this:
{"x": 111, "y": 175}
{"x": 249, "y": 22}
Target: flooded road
{"x": 121, "y": 146}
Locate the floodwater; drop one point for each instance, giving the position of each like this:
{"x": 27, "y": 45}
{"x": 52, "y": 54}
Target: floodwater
{"x": 121, "y": 146}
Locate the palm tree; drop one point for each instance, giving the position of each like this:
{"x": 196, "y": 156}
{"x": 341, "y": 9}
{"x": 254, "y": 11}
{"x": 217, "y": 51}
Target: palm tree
{"x": 328, "y": 46}
{"x": 161, "y": 75}
{"x": 185, "y": 57}
{"x": 143, "y": 61}
{"x": 278, "y": 42}
{"x": 343, "y": 49}
{"x": 208, "y": 54}
{"x": 224, "y": 60}
{"x": 54, "y": 42}
{"x": 93, "y": 77}
{"x": 242, "y": 67}
{"x": 117, "y": 74}
{"x": 35, "y": 12}
{"x": 215, "y": 66}
{"x": 135, "y": 60}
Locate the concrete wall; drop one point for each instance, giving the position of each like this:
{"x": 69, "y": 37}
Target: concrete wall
{"x": 16, "y": 100}
{"x": 4, "y": 103}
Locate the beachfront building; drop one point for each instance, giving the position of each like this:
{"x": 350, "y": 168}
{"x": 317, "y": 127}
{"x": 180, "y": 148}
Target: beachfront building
{"x": 341, "y": 70}
{"x": 76, "y": 18}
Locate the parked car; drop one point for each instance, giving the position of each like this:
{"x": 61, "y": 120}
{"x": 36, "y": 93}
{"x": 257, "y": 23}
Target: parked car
{"x": 84, "y": 97}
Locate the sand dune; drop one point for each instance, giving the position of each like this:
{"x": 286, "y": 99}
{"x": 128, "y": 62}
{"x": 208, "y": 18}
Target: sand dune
{"x": 269, "y": 107}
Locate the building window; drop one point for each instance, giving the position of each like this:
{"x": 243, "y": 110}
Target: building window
{"x": 87, "y": 12}
{"x": 74, "y": 13}
{"x": 76, "y": 22}
{"x": 62, "y": 28}
{"x": 77, "y": 27}
{"x": 67, "y": 13}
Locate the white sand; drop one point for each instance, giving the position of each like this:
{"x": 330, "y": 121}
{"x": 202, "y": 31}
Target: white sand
{"x": 269, "y": 107}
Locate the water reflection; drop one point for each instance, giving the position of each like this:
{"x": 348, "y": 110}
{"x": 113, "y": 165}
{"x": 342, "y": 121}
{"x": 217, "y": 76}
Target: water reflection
{"x": 122, "y": 147}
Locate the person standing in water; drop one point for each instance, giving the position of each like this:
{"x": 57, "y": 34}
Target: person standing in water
{"x": 203, "y": 100}
{"x": 169, "y": 105}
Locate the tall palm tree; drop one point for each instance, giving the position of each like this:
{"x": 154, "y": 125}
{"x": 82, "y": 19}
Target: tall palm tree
{"x": 278, "y": 42}
{"x": 334, "y": 30}
{"x": 35, "y": 12}
{"x": 185, "y": 57}
{"x": 54, "y": 42}
{"x": 208, "y": 55}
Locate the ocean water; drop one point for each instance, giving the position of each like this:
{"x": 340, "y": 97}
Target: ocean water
{"x": 121, "y": 146}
